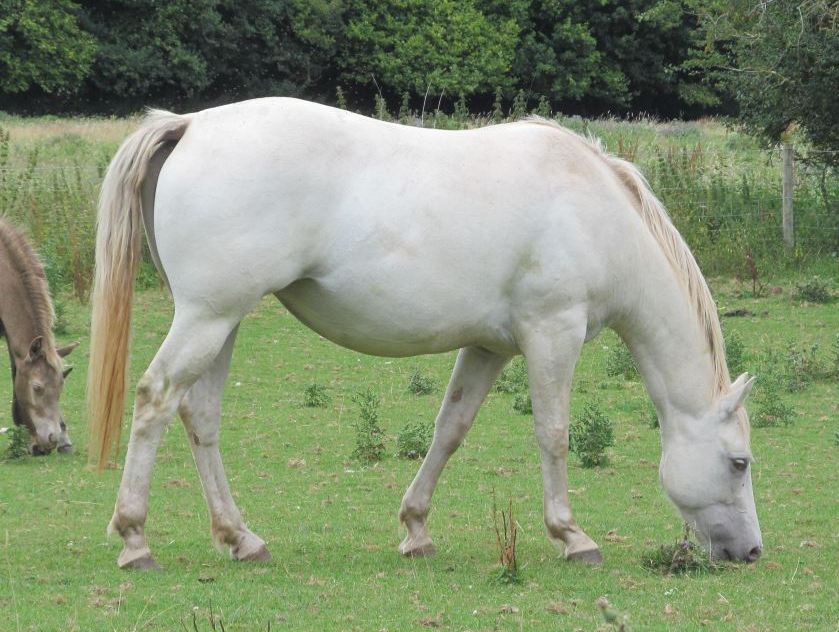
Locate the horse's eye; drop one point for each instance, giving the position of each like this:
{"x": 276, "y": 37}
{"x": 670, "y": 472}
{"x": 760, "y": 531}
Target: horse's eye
{"x": 740, "y": 464}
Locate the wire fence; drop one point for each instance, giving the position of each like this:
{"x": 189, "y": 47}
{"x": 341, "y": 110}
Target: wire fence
{"x": 726, "y": 204}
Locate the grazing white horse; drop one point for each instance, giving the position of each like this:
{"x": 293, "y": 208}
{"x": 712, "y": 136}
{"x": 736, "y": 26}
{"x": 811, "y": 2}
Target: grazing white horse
{"x": 396, "y": 241}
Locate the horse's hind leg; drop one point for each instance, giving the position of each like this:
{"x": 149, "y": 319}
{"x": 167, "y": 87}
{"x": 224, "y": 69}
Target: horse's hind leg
{"x": 552, "y": 351}
{"x": 193, "y": 342}
{"x": 473, "y": 375}
{"x": 200, "y": 411}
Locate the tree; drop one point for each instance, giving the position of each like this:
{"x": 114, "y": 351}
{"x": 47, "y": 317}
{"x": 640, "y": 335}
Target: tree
{"x": 781, "y": 62}
{"x": 42, "y": 47}
{"x": 607, "y": 55}
{"x": 269, "y": 47}
{"x": 415, "y": 45}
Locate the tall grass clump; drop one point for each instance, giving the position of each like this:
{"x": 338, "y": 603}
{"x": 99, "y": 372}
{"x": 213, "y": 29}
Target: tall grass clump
{"x": 619, "y": 362}
{"x": 506, "y": 535}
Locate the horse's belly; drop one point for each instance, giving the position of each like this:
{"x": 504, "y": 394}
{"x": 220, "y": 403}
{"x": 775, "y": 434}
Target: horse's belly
{"x": 373, "y": 320}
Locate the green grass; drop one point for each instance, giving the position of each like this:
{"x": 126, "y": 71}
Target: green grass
{"x": 331, "y": 523}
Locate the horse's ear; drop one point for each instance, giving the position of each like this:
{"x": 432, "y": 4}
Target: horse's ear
{"x": 735, "y": 397}
{"x": 36, "y": 349}
{"x": 67, "y": 372}
{"x": 63, "y": 352}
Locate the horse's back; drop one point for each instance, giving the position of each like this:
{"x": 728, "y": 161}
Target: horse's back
{"x": 369, "y": 230}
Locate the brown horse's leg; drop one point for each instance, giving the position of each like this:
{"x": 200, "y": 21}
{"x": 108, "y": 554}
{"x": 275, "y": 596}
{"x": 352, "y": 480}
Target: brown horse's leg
{"x": 192, "y": 344}
{"x": 473, "y": 376}
{"x": 200, "y": 411}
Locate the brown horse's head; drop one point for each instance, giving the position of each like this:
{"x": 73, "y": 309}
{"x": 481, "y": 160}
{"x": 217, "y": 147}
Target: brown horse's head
{"x": 38, "y": 382}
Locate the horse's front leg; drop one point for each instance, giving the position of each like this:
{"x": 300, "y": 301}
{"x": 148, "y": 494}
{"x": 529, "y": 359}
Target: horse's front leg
{"x": 200, "y": 411}
{"x": 552, "y": 350}
{"x": 474, "y": 373}
{"x": 189, "y": 349}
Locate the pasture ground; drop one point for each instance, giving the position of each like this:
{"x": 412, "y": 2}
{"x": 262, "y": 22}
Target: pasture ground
{"x": 331, "y": 523}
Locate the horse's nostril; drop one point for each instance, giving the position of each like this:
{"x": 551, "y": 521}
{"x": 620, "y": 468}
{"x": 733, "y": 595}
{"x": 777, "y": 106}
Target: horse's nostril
{"x": 754, "y": 554}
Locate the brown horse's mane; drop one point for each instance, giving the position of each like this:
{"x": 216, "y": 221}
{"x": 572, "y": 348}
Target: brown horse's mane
{"x": 30, "y": 272}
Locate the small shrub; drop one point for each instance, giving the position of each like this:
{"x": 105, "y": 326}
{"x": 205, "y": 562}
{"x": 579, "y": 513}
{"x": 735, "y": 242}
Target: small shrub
{"x": 315, "y": 396}
{"x": 619, "y": 362}
{"x": 590, "y": 435}
{"x": 814, "y": 290}
{"x": 18, "y": 443}
{"x": 771, "y": 408}
{"x": 523, "y": 404}
{"x": 802, "y": 367}
{"x": 513, "y": 378}
{"x": 414, "y": 439}
{"x": 369, "y": 437}
{"x": 734, "y": 352}
{"x": 683, "y": 556}
{"x": 420, "y": 383}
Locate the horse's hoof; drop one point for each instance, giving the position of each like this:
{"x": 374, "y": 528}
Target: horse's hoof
{"x": 145, "y": 563}
{"x": 411, "y": 549}
{"x": 262, "y": 554}
{"x": 589, "y": 556}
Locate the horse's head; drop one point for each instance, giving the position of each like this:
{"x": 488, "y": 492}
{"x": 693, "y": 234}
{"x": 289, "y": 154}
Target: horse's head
{"x": 706, "y": 471}
{"x": 38, "y": 382}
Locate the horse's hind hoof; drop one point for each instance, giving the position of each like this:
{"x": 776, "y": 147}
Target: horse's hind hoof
{"x": 138, "y": 560}
{"x": 592, "y": 557}
{"x": 262, "y": 554}
{"x": 147, "y": 563}
{"x": 417, "y": 549}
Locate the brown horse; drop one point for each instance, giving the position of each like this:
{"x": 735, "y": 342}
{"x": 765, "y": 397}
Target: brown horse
{"x": 26, "y": 319}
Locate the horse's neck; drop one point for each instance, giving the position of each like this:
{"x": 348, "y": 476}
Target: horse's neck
{"x": 672, "y": 352}
{"x": 16, "y": 313}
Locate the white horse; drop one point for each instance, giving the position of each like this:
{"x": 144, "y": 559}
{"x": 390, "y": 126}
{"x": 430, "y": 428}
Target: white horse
{"x": 396, "y": 241}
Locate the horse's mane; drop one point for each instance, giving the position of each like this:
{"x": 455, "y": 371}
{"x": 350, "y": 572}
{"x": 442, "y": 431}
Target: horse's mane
{"x": 658, "y": 221}
{"x": 30, "y": 271}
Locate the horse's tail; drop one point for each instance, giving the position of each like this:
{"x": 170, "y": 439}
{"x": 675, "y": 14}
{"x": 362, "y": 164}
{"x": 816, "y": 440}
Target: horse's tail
{"x": 118, "y": 247}
{"x": 678, "y": 253}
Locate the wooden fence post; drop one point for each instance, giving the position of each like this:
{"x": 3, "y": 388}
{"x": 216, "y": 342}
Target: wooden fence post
{"x": 788, "y": 220}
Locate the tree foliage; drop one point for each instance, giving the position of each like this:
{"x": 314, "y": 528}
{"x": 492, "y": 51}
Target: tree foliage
{"x": 415, "y": 46}
{"x": 780, "y": 61}
{"x": 777, "y": 61}
{"x": 42, "y": 46}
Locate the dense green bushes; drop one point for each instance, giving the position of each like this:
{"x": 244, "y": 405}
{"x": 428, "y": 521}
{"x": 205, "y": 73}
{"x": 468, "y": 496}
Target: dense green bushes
{"x": 593, "y": 56}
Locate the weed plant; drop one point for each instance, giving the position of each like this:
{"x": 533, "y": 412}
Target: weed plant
{"x": 369, "y": 436}
{"x": 590, "y": 434}
{"x": 814, "y": 290}
{"x": 414, "y": 439}
{"x": 513, "y": 378}
{"x": 522, "y": 403}
{"x": 735, "y": 352}
{"x": 315, "y": 396}
{"x": 420, "y": 383}
{"x": 506, "y": 534}
{"x": 680, "y": 557}
{"x": 18, "y": 446}
{"x": 619, "y": 362}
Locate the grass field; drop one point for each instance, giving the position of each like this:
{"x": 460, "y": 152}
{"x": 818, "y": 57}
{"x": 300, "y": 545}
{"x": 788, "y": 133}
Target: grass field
{"x": 331, "y": 523}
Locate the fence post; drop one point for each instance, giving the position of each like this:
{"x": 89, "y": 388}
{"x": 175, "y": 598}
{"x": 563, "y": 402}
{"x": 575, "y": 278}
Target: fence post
{"x": 788, "y": 220}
